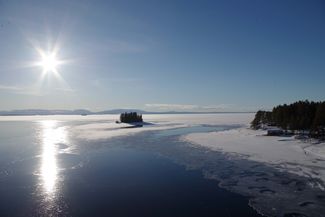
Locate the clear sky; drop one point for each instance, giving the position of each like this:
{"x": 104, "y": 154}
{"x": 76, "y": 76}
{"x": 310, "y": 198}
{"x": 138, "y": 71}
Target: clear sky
{"x": 220, "y": 55}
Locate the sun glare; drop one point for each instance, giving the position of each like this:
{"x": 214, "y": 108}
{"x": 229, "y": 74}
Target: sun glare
{"x": 51, "y": 135}
{"x": 49, "y": 62}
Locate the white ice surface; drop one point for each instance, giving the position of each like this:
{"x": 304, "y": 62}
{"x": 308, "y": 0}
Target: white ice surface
{"x": 109, "y": 129}
{"x": 284, "y": 153}
{"x": 96, "y": 127}
{"x": 222, "y": 118}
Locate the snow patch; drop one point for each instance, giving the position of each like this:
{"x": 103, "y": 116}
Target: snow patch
{"x": 284, "y": 153}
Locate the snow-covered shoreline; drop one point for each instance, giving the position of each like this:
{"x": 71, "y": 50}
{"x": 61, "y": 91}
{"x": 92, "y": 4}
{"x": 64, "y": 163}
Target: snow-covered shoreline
{"x": 284, "y": 153}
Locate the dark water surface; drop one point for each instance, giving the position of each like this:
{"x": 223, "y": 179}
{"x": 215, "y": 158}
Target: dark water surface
{"x": 40, "y": 175}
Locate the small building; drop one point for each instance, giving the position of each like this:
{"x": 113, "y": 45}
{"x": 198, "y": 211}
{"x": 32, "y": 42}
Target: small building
{"x": 275, "y": 132}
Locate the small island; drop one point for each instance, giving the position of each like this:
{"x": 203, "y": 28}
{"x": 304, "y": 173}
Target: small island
{"x": 131, "y": 117}
{"x": 301, "y": 118}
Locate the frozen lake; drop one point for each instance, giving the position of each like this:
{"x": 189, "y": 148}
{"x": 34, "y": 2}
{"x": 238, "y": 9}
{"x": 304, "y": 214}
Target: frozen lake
{"x": 90, "y": 166}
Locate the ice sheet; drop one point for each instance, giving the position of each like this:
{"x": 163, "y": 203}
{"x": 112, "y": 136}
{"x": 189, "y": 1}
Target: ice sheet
{"x": 285, "y": 153}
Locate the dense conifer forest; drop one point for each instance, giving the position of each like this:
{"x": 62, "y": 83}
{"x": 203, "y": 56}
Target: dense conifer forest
{"x": 129, "y": 117}
{"x": 301, "y": 116}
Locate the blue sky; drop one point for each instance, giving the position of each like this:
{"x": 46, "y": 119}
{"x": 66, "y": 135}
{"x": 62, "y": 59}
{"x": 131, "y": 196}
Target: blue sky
{"x": 162, "y": 55}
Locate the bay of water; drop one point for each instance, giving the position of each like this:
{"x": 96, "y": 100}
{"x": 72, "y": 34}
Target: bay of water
{"x": 44, "y": 171}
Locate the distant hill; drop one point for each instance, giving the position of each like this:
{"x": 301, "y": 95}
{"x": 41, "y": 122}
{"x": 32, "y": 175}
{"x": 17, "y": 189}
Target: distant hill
{"x": 120, "y": 111}
{"x": 66, "y": 112}
{"x": 45, "y": 112}
{"x": 87, "y": 112}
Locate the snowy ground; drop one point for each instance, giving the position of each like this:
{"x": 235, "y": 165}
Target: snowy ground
{"x": 284, "y": 153}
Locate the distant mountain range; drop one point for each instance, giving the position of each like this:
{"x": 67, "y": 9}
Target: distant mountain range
{"x": 87, "y": 112}
{"x": 45, "y": 112}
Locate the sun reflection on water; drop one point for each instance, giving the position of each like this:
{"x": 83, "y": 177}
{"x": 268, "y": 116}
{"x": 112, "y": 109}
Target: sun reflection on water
{"x": 51, "y": 136}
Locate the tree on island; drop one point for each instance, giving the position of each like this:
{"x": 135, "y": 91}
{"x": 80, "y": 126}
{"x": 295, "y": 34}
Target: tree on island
{"x": 300, "y": 116}
{"x": 130, "y": 117}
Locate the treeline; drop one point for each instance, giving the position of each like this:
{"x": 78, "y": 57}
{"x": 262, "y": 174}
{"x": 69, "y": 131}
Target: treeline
{"x": 129, "y": 117}
{"x": 298, "y": 116}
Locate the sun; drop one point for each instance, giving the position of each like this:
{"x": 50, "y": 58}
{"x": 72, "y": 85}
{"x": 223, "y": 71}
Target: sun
{"x": 49, "y": 62}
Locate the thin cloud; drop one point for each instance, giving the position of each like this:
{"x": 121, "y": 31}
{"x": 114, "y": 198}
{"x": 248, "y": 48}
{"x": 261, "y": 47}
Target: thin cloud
{"x": 31, "y": 91}
{"x": 189, "y": 107}
{"x": 10, "y": 88}
{"x": 19, "y": 90}
{"x": 69, "y": 90}
{"x": 172, "y": 106}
